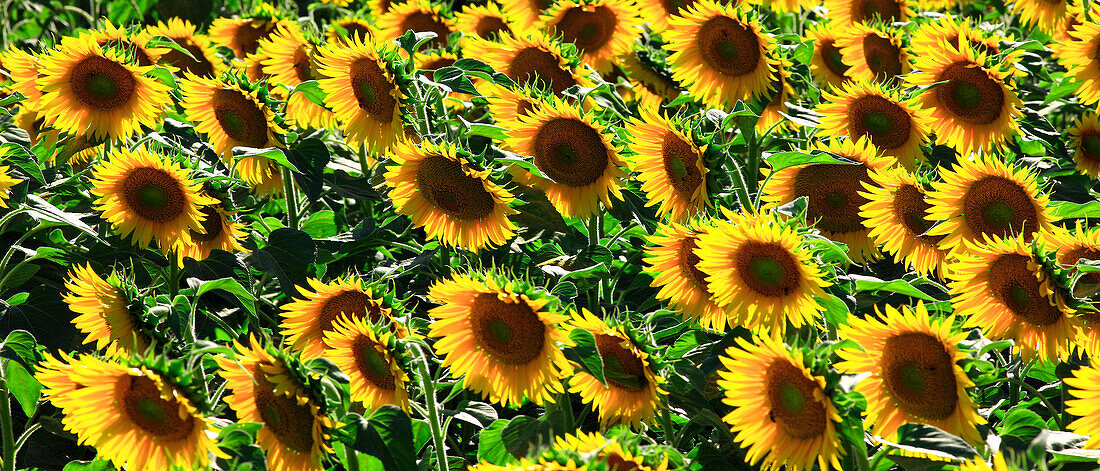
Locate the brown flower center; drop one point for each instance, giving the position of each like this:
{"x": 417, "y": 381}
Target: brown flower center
{"x": 728, "y": 46}
{"x": 290, "y": 422}
{"x": 102, "y": 84}
{"x": 999, "y": 206}
{"x": 240, "y": 118}
{"x": 767, "y": 268}
{"x": 882, "y": 56}
{"x": 865, "y": 10}
{"x": 833, "y": 193}
{"x": 589, "y": 30}
{"x": 832, "y": 58}
{"x": 689, "y": 262}
{"x": 442, "y": 182}
{"x": 353, "y": 304}
{"x": 970, "y": 95}
{"x": 919, "y": 374}
{"x": 422, "y": 21}
{"x": 623, "y": 369}
{"x": 490, "y": 27}
{"x": 791, "y": 403}
{"x": 372, "y": 364}
{"x": 886, "y": 123}
{"x": 509, "y": 331}
{"x": 910, "y": 209}
{"x": 541, "y": 68}
{"x": 153, "y": 194}
{"x": 681, "y": 160}
{"x": 144, "y": 406}
{"x": 570, "y": 152}
{"x": 199, "y": 65}
{"x": 1015, "y": 286}
{"x": 211, "y": 225}
{"x": 373, "y": 90}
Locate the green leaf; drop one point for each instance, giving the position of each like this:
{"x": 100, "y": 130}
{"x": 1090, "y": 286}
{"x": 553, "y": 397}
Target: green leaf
{"x": 165, "y": 41}
{"x": 585, "y": 353}
{"x": 97, "y": 465}
{"x": 23, "y": 386}
{"x": 1022, "y": 424}
{"x": 19, "y": 346}
{"x": 19, "y": 156}
{"x": 312, "y": 90}
{"x": 321, "y": 224}
{"x": 232, "y": 286}
{"x": 1067, "y": 210}
{"x": 287, "y": 255}
{"x": 12, "y": 99}
{"x": 870, "y": 283}
{"x": 525, "y": 434}
{"x": 930, "y": 440}
{"x": 781, "y": 160}
{"x": 387, "y": 435}
{"x": 490, "y": 445}
{"x": 18, "y": 275}
{"x": 273, "y": 153}
{"x": 495, "y": 133}
{"x": 42, "y": 209}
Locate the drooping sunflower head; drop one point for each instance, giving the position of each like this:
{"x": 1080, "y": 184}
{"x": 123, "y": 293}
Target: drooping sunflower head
{"x": 267, "y": 387}
{"x": 674, "y": 264}
{"x": 131, "y": 45}
{"x": 307, "y": 319}
{"x": 107, "y": 310}
{"x": 229, "y": 115}
{"x": 874, "y": 53}
{"x": 23, "y": 70}
{"x": 781, "y": 412}
{"x": 719, "y": 53}
{"x": 243, "y": 35}
{"x": 833, "y": 192}
{"x": 602, "y": 30}
{"x": 200, "y": 59}
{"x": 896, "y": 211}
{"x": 288, "y": 58}
{"x": 976, "y": 109}
{"x": 827, "y": 64}
{"x": 367, "y": 354}
{"x": 526, "y": 13}
{"x": 650, "y": 80}
{"x": 617, "y": 452}
{"x": 441, "y": 191}
{"x": 1042, "y": 15}
{"x": 347, "y": 29}
{"x": 7, "y": 181}
{"x": 362, "y": 84}
{"x": 914, "y": 372}
{"x": 418, "y": 16}
{"x": 262, "y": 174}
{"x": 219, "y": 231}
{"x": 759, "y": 271}
{"x": 630, "y": 391}
{"x": 530, "y": 59}
{"x": 484, "y": 21}
{"x": 146, "y": 196}
{"x": 134, "y": 415}
{"x": 955, "y": 32}
{"x": 1000, "y": 286}
{"x": 501, "y": 337}
{"x": 984, "y": 197}
{"x": 1086, "y": 144}
{"x": 897, "y": 127}
{"x": 86, "y": 90}
{"x": 670, "y": 165}
{"x": 578, "y": 163}
{"x": 849, "y": 12}
{"x": 1085, "y": 398}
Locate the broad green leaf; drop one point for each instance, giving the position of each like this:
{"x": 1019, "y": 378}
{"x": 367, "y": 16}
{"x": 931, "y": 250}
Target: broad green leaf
{"x": 490, "y": 445}
{"x": 585, "y": 353}
{"x": 22, "y": 385}
{"x": 870, "y": 283}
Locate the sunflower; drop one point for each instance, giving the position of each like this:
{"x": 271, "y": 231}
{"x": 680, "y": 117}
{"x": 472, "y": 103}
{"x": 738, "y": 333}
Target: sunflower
{"x": 1085, "y": 390}
{"x": 782, "y": 7}
{"x": 533, "y": 59}
{"x": 630, "y": 393}
{"x": 525, "y": 13}
{"x": 895, "y": 126}
{"x": 439, "y": 190}
{"x": 775, "y": 100}
{"x": 219, "y": 231}
{"x": 379, "y": 7}
{"x": 914, "y": 372}
{"x": 363, "y": 93}
{"x": 827, "y": 64}
{"x": 133, "y": 416}
{"x": 346, "y": 30}
{"x": 243, "y": 35}
{"x": 956, "y": 33}
{"x": 1041, "y": 15}
{"x": 111, "y": 36}
{"x": 669, "y": 164}
{"x": 977, "y": 108}
{"x": 86, "y": 90}
{"x": 674, "y": 265}
{"x": 6, "y": 182}
{"x": 984, "y": 197}
{"x": 34, "y": 123}
{"x": 262, "y": 174}
{"x": 417, "y": 16}
{"x": 608, "y": 450}
{"x": 997, "y": 463}
{"x": 229, "y": 115}
{"x": 650, "y": 88}
{"x": 1072, "y": 247}
{"x": 484, "y": 21}
{"x": 309, "y": 318}
{"x": 1075, "y": 17}
{"x": 758, "y": 269}
{"x": 781, "y": 413}
{"x": 293, "y": 434}
{"x": 366, "y": 355}
{"x": 658, "y": 12}
{"x": 719, "y": 54}
{"x": 145, "y": 195}
{"x": 507, "y": 105}
{"x": 856, "y": 12}
{"x": 602, "y": 30}
{"x": 833, "y": 192}
{"x": 24, "y": 69}
{"x": 435, "y": 60}
{"x": 1000, "y": 287}
{"x": 896, "y": 211}
{"x": 289, "y": 61}
{"x": 203, "y": 62}
{"x": 1086, "y": 144}
{"x": 500, "y": 338}
{"x": 104, "y": 310}
{"x": 874, "y": 54}
{"x": 579, "y": 165}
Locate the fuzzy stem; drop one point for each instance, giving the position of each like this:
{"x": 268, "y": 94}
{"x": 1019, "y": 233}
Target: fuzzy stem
{"x": 433, "y": 411}
{"x": 6, "y": 427}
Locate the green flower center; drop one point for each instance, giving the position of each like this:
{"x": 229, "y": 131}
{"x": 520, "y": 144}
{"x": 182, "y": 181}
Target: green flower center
{"x": 912, "y": 378}
{"x": 151, "y": 410}
{"x": 366, "y": 93}
{"x": 565, "y": 154}
{"x": 728, "y": 50}
{"x": 767, "y": 271}
{"x": 1091, "y": 145}
{"x": 374, "y": 363}
{"x": 790, "y": 399}
{"x": 999, "y": 213}
{"x": 152, "y": 196}
{"x": 232, "y": 122}
{"x": 966, "y": 95}
{"x": 588, "y": 32}
{"x": 1019, "y": 296}
{"x": 500, "y": 331}
{"x": 835, "y": 59}
{"x": 878, "y": 123}
{"x": 101, "y": 87}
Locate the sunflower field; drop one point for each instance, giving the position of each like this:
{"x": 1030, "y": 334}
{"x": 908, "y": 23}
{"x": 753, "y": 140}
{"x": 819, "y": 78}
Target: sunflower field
{"x": 587, "y": 235}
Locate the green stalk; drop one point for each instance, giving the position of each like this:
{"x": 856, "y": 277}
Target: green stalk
{"x": 752, "y": 175}
{"x": 433, "y": 411}
{"x": 666, "y": 423}
{"x": 859, "y": 450}
{"x": 351, "y": 458}
{"x": 291, "y": 198}
{"x": 5, "y": 426}
{"x": 173, "y": 280}
{"x": 594, "y": 229}
{"x": 1031, "y": 389}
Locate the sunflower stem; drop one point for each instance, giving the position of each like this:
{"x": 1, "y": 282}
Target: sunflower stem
{"x": 5, "y": 425}
{"x": 666, "y": 424}
{"x": 753, "y": 163}
{"x": 351, "y": 458}
{"x": 859, "y": 450}
{"x": 291, "y": 198}
{"x": 433, "y": 411}
{"x": 1019, "y": 383}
